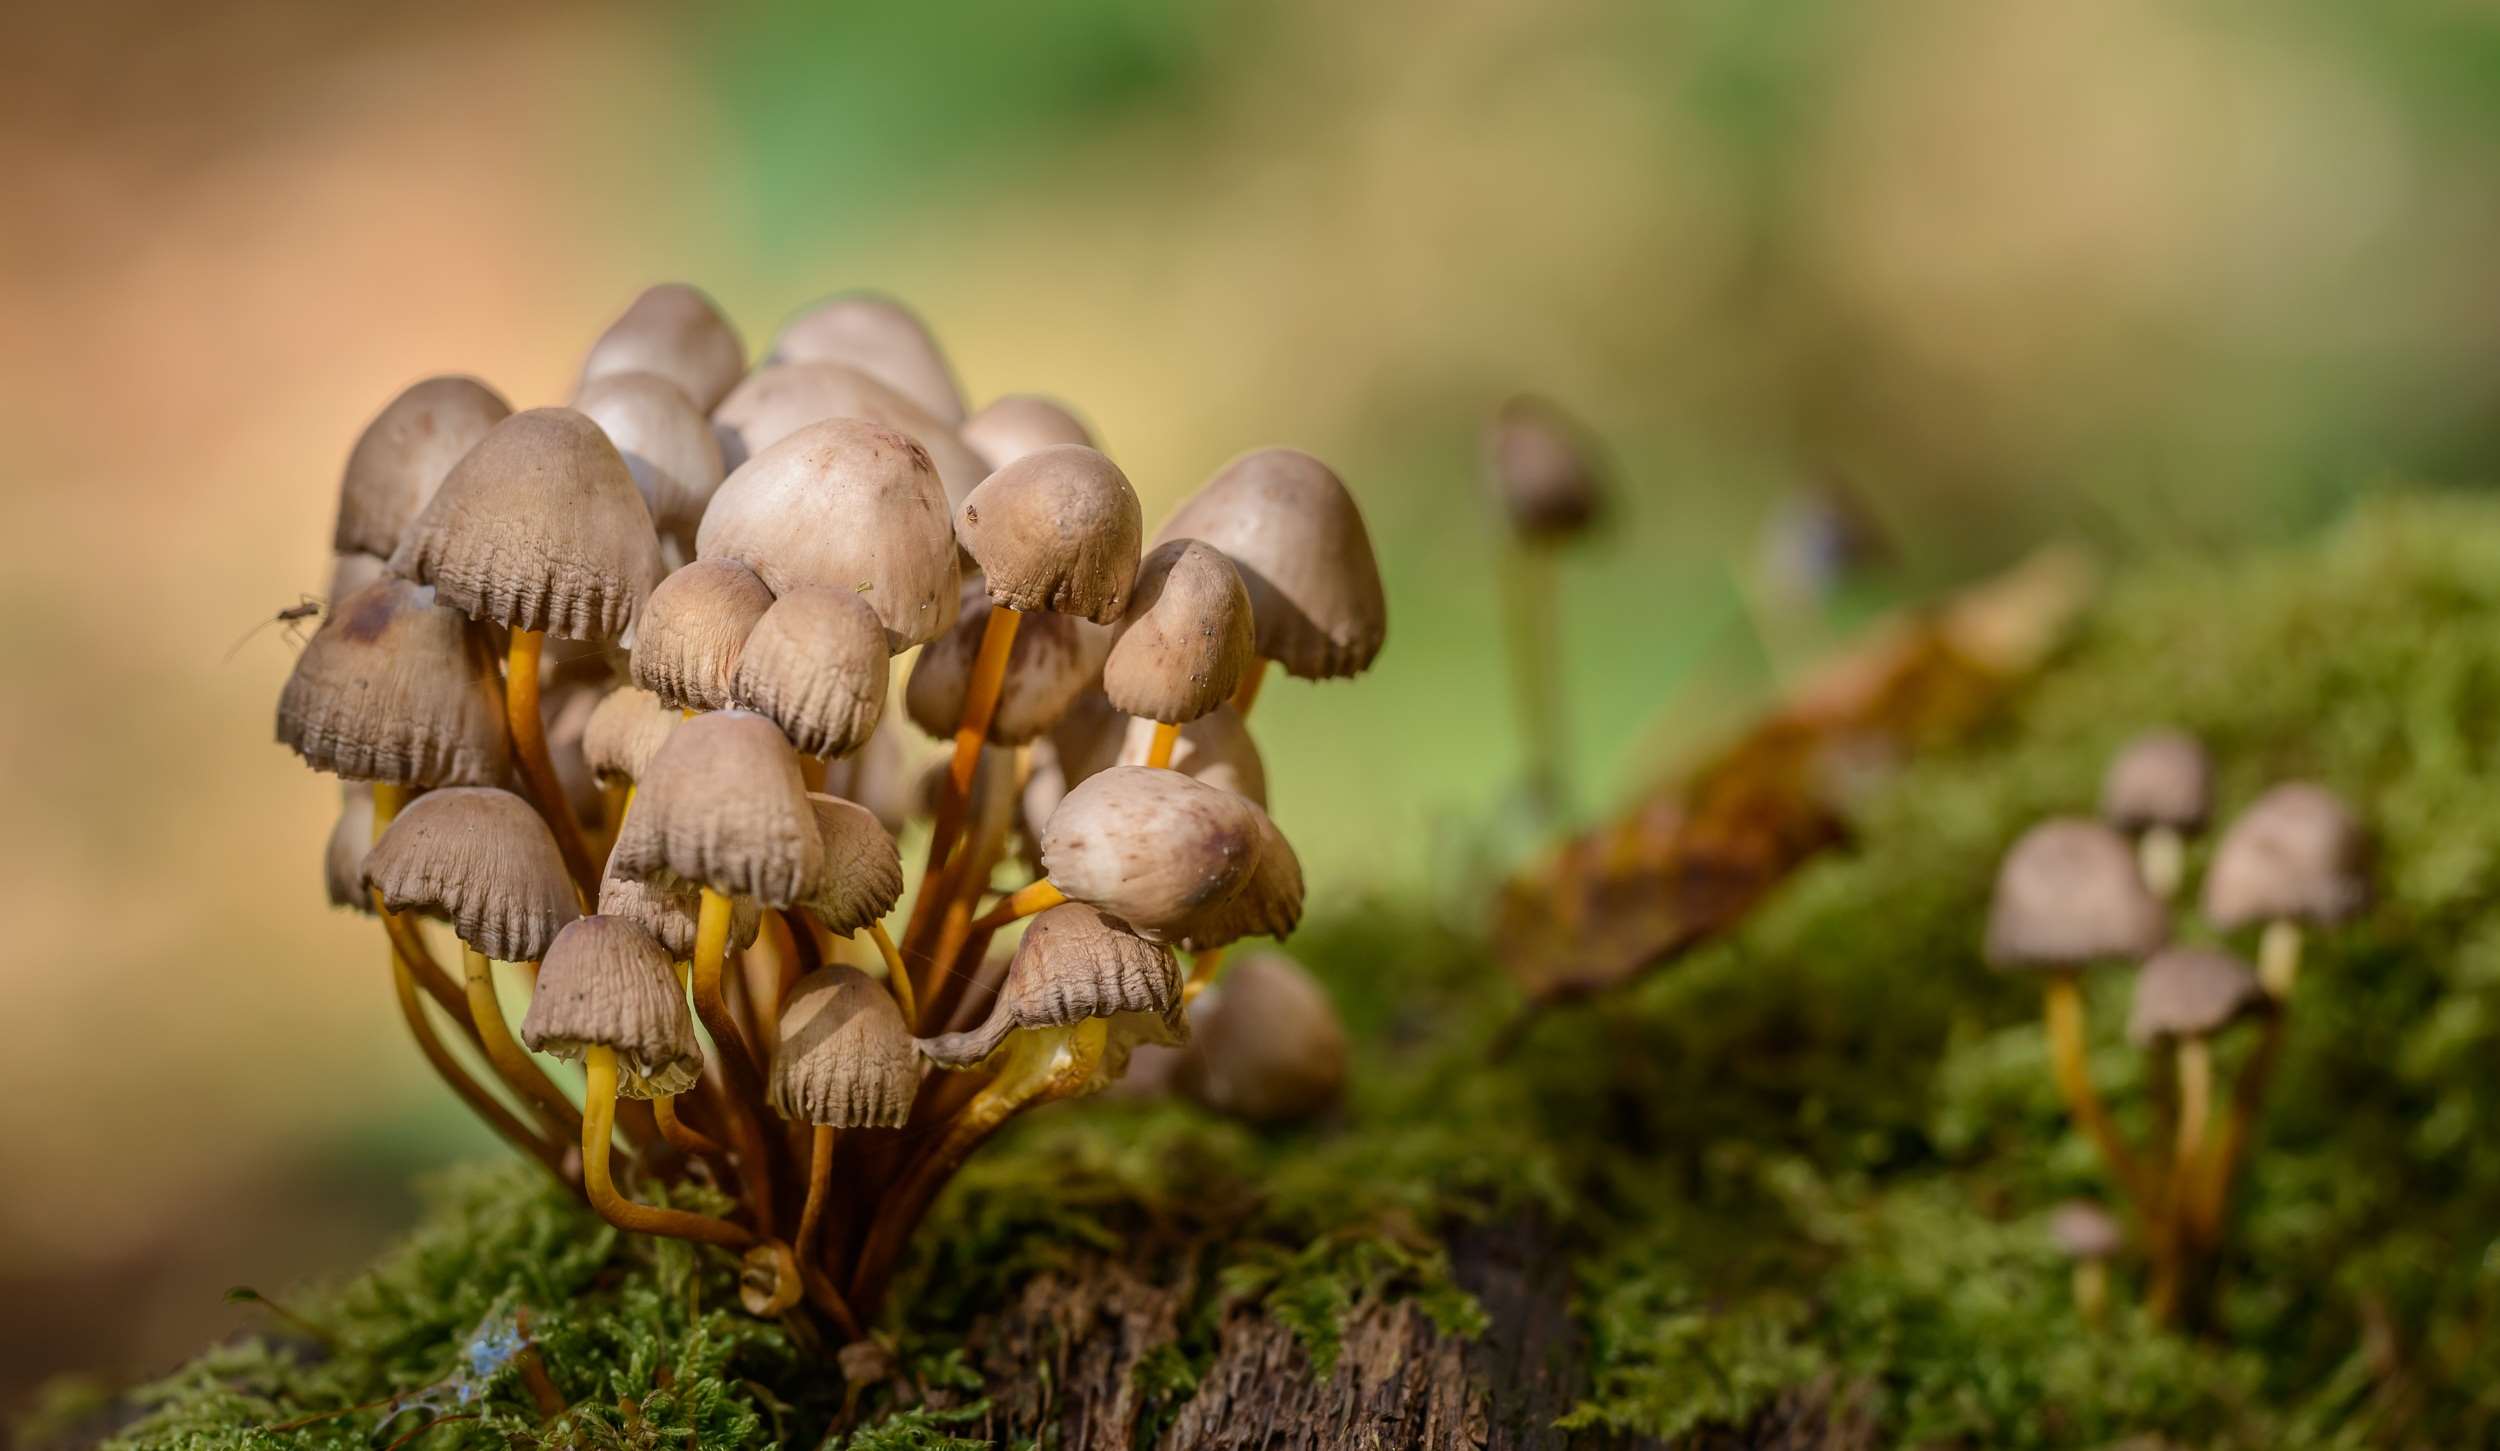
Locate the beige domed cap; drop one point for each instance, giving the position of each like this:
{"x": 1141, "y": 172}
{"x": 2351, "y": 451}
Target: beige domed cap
{"x": 625, "y": 731}
{"x": 844, "y": 505}
{"x": 1291, "y": 529}
{"x": 2160, "y": 778}
{"x": 722, "y": 806}
{"x": 1056, "y": 530}
{"x": 2083, "y": 1230}
{"x": 483, "y": 858}
{"x": 402, "y": 456}
{"x": 1006, "y": 429}
{"x": 1269, "y": 904}
{"x": 539, "y": 527}
{"x": 395, "y": 687}
{"x": 688, "y": 641}
{"x": 1186, "y": 639}
{"x": 1265, "y": 1043}
{"x": 2067, "y": 895}
{"x": 817, "y": 666}
{"x": 670, "y": 913}
{"x": 667, "y": 444}
{"x": 606, "y": 983}
{"x": 845, "y": 1060}
{"x": 882, "y": 338}
{"x": 2191, "y": 992}
{"x": 351, "y": 836}
{"x": 1053, "y": 659}
{"x": 863, "y": 873}
{"x": 1542, "y": 465}
{"x": 779, "y": 400}
{"x": 1075, "y": 962}
{"x": 2297, "y": 854}
{"x": 1154, "y": 848}
{"x": 677, "y": 332}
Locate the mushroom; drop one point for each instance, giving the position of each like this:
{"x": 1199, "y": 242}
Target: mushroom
{"x": 2296, "y": 856}
{"x": 401, "y": 457}
{"x": 780, "y": 399}
{"x": 861, "y": 881}
{"x": 2159, "y": 789}
{"x": 624, "y": 732}
{"x": 1544, "y": 473}
{"x": 1075, "y": 962}
{"x": 2068, "y": 897}
{"x": 1266, "y": 1046}
{"x": 1184, "y": 644}
{"x": 2183, "y": 997}
{"x": 844, "y": 1060}
{"x": 671, "y": 913}
{"x": 688, "y": 642}
{"x": 675, "y": 331}
{"x": 816, "y": 666}
{"x": 396, "y": 689}
{"x": 882, "y": 338}
{"x": 1155, "y": 848}
{"x": 2091, "y": 1237}
{"x": 667, "y": 444}
{"x": 1008, "y": 428}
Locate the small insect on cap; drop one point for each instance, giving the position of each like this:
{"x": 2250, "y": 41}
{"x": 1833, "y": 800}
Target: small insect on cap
{"x": 1056, "y": 530}
{"x": 882, "y": 338}
{"x": 779, "y": 399}
{"x": 687, "y": 643}
{"x": 1075, "y": 962}
{"x": 1186, "y": 639}
{"x": 2297, "y": 854}
{"x": 2191, "y": 992}
{"x": 625, "y": 730}
{"x": 539, "y": 527}
{"x": 845, "y": 1060}
{"x": 722, "y": 806}
{"x": 675, "y": 331}
{"x": 1269, "y": 903}
{"x": 396, "y": 688}
{"x": 863, "y": 873}
{"x": 2160, "y": 778}
{"x": 1053, "y": 659}
{"x": 2068, "y": 894}
{"x": 402, "y": 456}
{"x": 1541, "y": 465}
{"x": 607, "y": 984}
{"x": 669, "y": 913}
{"x": 1153, "y": 848}
{"x": 817, "y": 666}
{"x": 2082, "y": 1230}
{"x": 1288, "y": 524}
{"x": 1006, "y": 429}
{"x": 844, "y": 505}
{"x": 667, "y": 444}
{"x": 483, "y": 858}
{"x": 1265, "y": 1043}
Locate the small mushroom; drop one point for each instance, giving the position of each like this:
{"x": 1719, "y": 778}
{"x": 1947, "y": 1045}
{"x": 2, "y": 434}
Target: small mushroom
{"x": 1185, "y": 643}
{"x": 688, "y": 641}
{"x": 1265, "y": 1045}
{"x": 2183, "y": 997}
{"x": 845, "y": 1059}
{"x": 1157, "y": 849}
{"x": 817, "y": 667}
{"x": 675, "y": 331}
{"x": 1006, "y": 429}
{"x": 2091, "y": 1237}
{"x": 1543, "y": 467}
{"x": 781, "y": 399}
{"x": 1544, "y": 472}
{"x": 2160, "y": 790}
{"x": 1050, "y": 660}
{"x": 1055, "y": 530}
{"x": 1075, "y": 962}
{"x": 881, "y": 775}
{"x": 2297, "y": 856}
{"x": 395, "y": 688}
{"x": 402, "y": 456}
{"x": 722, "y": 808}
{"x": 882, "y": 338}
{"x": 862, "y": 877}
{"x": 625, "y": 731}
{"x": 667, "y": 444}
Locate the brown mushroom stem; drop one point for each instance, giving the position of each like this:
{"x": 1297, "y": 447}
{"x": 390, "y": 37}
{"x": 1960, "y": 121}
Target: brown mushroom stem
{"x": 1202, "y": 971}
{"x": 683, "y": 1136}
{"x": 897, "y": 977}
{"x": 1167, "y": 736}
{"x": 2278, "y": 959}
{"x": 2063, "y": 1004}
{"x": 2161, "y": 855}
{"x": 538, "y": 770}
{"x": 989, "y": 675}
{"x": 1026, "y": 900}
{"x": 1535, "y": 640}
{"x": 598, "y": 1130}
{"x": 1247, "y": 692}
{"x": 742, "y": 1083}
{"x": 819, "y": 1183}
{"x": 512, "y": 1064}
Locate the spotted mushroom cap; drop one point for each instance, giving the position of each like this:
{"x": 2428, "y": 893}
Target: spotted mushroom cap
{"x": 1186, "y": 639}
{"x": 677, "y": 332}
{"x": 1291, "y": 529}
{"x": 779, "y": 399}
{"x": 1055, "y": 530}
{"x": 693, "y": 628}
{"x": 2297, "y": 854}
{"x": 882, "y": 338}
{"x": 351, "y": 836}
{"x": 2068, "y": 894}
{"x": 539, "y": 527}
{"x": 667, "y": 444}
{"x": 1269, "y": 903}
{"x": 2191, "y": 992}
{"x": 2083, "y": 1230}
{"x": 1054, "y": 658}
{"x": 1075, "y": 962}
{"x": 1265, "y": 1043}
{"x": 402, "y": 456}
{"x": 625, "y": 731}
{"x": 863, "y": 872}
{"x": 845, "y": 1060}
{"x": 395, "y": 687}
{"x": 1006, "y": 429}
{"x": 1153, "y": 848}
{"x": 607, "y": 983}
{"x": 671, "y": 913}
{"x": 817, "y": 666}
{"x": 2160, "y": 778}
{"x": 1543, "y": 469}
{"x": 844, "y": 505}
{"x": 484, "y": 859}
{"x": 722, "y": 806}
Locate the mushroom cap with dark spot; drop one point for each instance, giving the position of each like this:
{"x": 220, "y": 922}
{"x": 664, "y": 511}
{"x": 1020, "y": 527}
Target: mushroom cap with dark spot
{"x": 862, "y": 877}
{"x": 881, "y": 337}
{"x": 779, "y": 399}
{"x": 677, "y": 332}
{"x": 625, "y": 731}
{"x": 1075, "y": 962}
{"x": 482, "y": 858}
{"x": 607, "y": 983}
{"x": 2068, "y": 894}
{"x": 817, "y": 666}
{"x": 2160, "y": 778}
{"x": 2083, "y": 1230}
{"x": 396, "y": 687}
{"x": 1153, "y": 848}
{"x": 845, "y": 1060}
{"x": 1543, "y": 467}
{"x": 2297, "y": 854}
{"x": 1053, "y": 659}
{"x": 402, "y": 456}
{"x": 2191, "y": 992}
{"x": 1008, "y": 428}
{"x": 1055, "y": 530}
{"x": 723, "y": 806}
{"x": 667, "y": 444}
{"x": 1265, "y": 1043}
{"x": 688, "y": 642}
{"x": 1287, "y": 523}
{"x": 1269, "y": 903}
{"x": 1187, "y": 637}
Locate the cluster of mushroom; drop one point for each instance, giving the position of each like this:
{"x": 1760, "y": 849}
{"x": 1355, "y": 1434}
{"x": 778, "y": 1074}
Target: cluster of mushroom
{"x": 684, "y": 821}
{"x": 2075, "y": 894}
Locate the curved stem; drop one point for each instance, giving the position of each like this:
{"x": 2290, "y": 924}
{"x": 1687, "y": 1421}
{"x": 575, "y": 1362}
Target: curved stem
{"x": 511, "y": 1063}
{"x": 897, "y": 978}
{"x": 1159, "y": 751}
{"x": 2064, "y": 1009}
{"x": 598, "y": 1129}
{"x": 1202, "y": 971}
{"x": 819, "y": 1181}
{"x": 1026, "y": 900}
{"x": 468, "y": 1089}
{"x": 684, "y": 1136}
{"x": 742, "y": 1082}
{"x": 538, "y": 771}
{"x": 1246, "y": 694}
{"x": 2211, "y": 1195}
{"x": 989, "y": 674}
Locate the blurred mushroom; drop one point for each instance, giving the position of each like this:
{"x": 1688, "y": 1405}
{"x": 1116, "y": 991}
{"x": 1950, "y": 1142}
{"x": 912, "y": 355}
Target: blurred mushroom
{"x": 781, "y": 399}
{"x": 880, "y": 337}
{"x": 2159, "y": 790}
{"x": 343, "y": 864}
{"x": 1266, "y": 1045}
{"x": 1050, "y": 662}
{"x": 2090, "y": 1237}
{"x": 667, "y": 444}
{"x": 675, "y": 331}
{"x": 1006, "y": 429}
{"x": 2296, "y": 856}
{"x": 402, "y": 456}
{"x": 2183, "y": 997}
{"x": 1544, "y": 474}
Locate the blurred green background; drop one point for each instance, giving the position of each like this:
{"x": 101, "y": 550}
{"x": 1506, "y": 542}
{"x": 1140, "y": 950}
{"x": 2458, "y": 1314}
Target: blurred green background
{"x": 2166, "y": 276}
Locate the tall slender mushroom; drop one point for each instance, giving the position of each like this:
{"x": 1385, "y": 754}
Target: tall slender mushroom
{"x": 881, "y": 337}
{"x": 845, "y": 1060}
{"x": 2297, "y": 856}
{"x": 2183, "y": 997}
{"x": 402, "y": 456}
{"x": 1542, "y": 466}
{"x": 668, "y": 446}
{"x": 1184, "y": 644}
{"x": 675, "y": 331}
{"x": 693, "y": 630}
{"x": 816, "y": 666}
{"x": 2160, "y": 790}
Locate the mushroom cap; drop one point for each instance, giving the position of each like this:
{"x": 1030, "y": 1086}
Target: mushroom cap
{"x": 844, "y": 505}
{"x": 625, "y": 731}
{"x": 1288, "y": 524}
{"x": 882, "y": 338}
{"x": 1543, "y": 468}
{"x": 607, "y": 983}
{"x": 779, "y": 399}
{"x": 483, "y": 858}
{"x": 1057, "y": 530}
{"x": 2069, "y": 894}
{"x": 687, "y": 643}
{"x": 1075, "y": 962}
{"x": 1053, "y": 659}
{"x": 1008, "y": 428}
{"x": 670, "y": 913}
{"x": 1269, "y": 903}
{"x": 396, "y": 687}
{"x": 402, "y": 456}
{"x": 2083, "y": 1230}
{"x": 677, "y": 332}
{"x": 817, "y": 666}
{"x": 351, "y": 836}
{"x": 1265, "y": 1043}
{"x": 2296, "y": 854}
{"x": 845, "y": 1060}
{"x": 2191, "y": 992}
{"x": 863, "y": 872}
{"x": 723, "y": 806}
{"x": 352, "y": 571}
{"x": 539, "y": 527}
{"x": 1187, "y": 637}
{"x": 667, "y": 444}
{"x": 2160, "y": 778}
{"x": 1154, "y": 848}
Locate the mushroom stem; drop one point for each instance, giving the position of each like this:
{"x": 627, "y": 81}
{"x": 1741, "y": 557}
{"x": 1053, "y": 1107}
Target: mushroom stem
{"x": 2161, "y": 855}
{"x": 511, "y": 1063}
{"x": 1247, "y": 692}
{"x": 819, "y": 1182}
{"x": 1167, "y": 736}
{"x": 2063, "y": 1004}
{"x": 1202, "y": 971}
{"x": 1535, "y": 645}
{"x": 2210, "y": 1191}
{"x": 2092, "y": 1290}
{"x": 742, "y": 1084}
{"x": 1026, "y": 900}
{"x": 598, "y": 1129}
{"x": 469, "y": 1091}
{"x": 2278, "y": 959}
{"x": 685, "y": 1137}
{"x": 897, "y": 977}
{"x": 989, "y": 675}
{"x": 2196, "y": 1096}
{"x": 538, "y": 770}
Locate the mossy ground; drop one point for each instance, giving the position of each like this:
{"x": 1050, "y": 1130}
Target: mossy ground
{"x": 1820, "y": 1152}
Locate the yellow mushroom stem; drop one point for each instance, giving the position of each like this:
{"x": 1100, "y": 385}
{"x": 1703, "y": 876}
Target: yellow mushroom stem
{"x": 598, "y": 1129}
{"x": 2209, "y": 1196}
{"x": 1535, "y": 650}
{"x": 819, "y": 1183}
{"x": 511, "y": 1063}
{"x": 1202, "y": 972}
{"x": 1167, "y": 736}
{"x": 538, "y": 770}
{"x": 467, "y": 1089}
{"x": 989, "y": 675}
{"x": 2161, "y": 856}
{"x": 1246, "y": 693}
{"x": 2278, "y": 959}
{"x": 2196, "y": 1104}
{"x": 685, "y": 1137}
{"x": 2063, "y": 1003}
{"x": 1026, "y": 900}
{"x": 897, "y": 977}
{"x": 743, "y": 1085}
